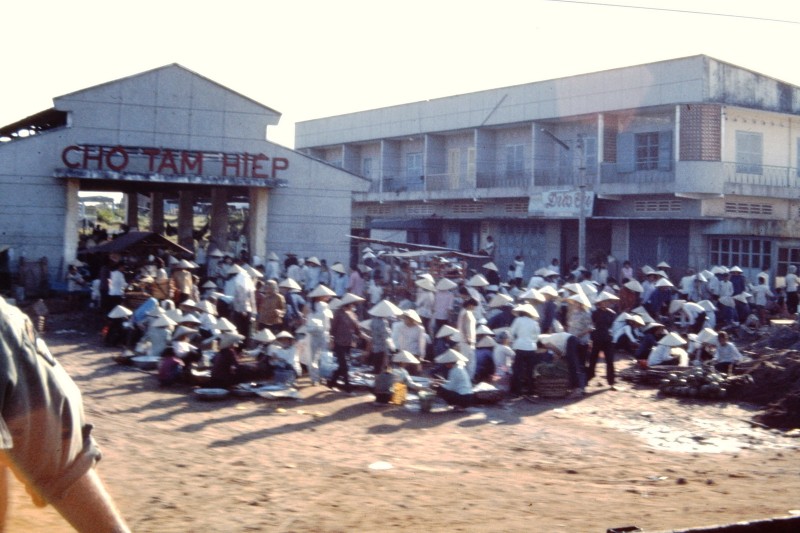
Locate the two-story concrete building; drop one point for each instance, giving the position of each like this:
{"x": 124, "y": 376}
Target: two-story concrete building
{"x": 692, "y": 161}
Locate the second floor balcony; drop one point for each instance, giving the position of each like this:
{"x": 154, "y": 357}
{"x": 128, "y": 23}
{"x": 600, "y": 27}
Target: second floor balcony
{"x": 687, "y": 177}
{"x": 453, "y": 182}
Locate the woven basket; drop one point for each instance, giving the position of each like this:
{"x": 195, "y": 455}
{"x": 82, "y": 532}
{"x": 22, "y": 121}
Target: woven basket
{"x": 134, "y": 299}
{"x": 550, "y": 387}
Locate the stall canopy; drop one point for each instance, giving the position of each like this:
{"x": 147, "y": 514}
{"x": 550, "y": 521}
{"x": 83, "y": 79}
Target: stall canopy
{"x": 138, "y": 243}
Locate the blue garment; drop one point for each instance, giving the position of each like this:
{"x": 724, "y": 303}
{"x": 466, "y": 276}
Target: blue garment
{"x": 655, "y": 304}
{"x": 140, "y": 315}
{"x": 648, "y": 341}
{"x": 503, "y": 319}
{"x": 484, "y": 364}
{"x": 549, "y": 310}
{"x": 739, "y": 284}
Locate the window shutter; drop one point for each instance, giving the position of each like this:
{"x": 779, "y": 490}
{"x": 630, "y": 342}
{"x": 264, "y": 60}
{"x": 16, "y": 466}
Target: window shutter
{"x": 664, "y": 150}
{"x": 626, "y": 153}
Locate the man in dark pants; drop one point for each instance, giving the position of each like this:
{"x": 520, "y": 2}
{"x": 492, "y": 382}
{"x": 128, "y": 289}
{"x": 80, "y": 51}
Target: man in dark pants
{"x": 344, "y": 329}
{"x": 603, "y": 318}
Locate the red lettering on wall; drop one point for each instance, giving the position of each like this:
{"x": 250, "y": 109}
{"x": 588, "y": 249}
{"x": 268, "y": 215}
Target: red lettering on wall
{"x": 191, "y": 162}
{"x": 230, "y": 161}
{"x": 168, "y": 161}
{"x": 172, "y": 161}
{"x": 89, "y": 156}
{"x": 117, "y": 153}
{"x": 279, "y": 163}
{"x": 65, "y": 156}
{"x": 151, "y": 153}
{"x": 258, "y": 170}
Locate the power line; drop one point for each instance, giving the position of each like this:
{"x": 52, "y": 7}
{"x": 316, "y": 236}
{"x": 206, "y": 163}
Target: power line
{"x": 605, "y": 4}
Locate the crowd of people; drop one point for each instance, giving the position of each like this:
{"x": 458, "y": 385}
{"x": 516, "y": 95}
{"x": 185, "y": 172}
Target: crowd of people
{"x": 460, "y": 328}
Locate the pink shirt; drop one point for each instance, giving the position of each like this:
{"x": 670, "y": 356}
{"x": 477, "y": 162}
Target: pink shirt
{"x": 442, "y": 304}
{"x": 356, "y": 284}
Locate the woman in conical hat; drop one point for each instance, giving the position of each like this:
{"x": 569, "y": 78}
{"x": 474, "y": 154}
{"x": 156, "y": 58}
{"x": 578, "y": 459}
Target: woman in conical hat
{"x": 393, "y": 376}
{"x": 226, "y": 370}
{"x": 456, "y": 390}
{"x": 381, "y": 333}
{"x": 118, "y": 329}
{"x": 661, "y": 354}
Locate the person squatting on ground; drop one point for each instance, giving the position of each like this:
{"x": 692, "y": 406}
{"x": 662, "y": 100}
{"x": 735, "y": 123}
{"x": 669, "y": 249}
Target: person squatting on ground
{"x": 44, "y": 438}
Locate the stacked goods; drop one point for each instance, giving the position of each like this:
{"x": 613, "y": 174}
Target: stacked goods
{"x": 551, "y": 380}
{"x": 697, "y": 382}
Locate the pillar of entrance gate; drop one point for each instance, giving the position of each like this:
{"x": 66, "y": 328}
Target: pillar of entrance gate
{"x": 71, "y": 219}
{"x": 257, "y": 237}
{"x": 132, "y": 211}
{"x": 186, "y": 219}
{"x": 219, "y": 220}
{"x": 157, "y": 212}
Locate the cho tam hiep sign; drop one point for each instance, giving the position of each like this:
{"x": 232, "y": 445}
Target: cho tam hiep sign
{"x": 169, "y": 164}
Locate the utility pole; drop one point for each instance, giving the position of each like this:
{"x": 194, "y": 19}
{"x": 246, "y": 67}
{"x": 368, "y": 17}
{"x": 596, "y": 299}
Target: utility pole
{"x": 580, "y": 146}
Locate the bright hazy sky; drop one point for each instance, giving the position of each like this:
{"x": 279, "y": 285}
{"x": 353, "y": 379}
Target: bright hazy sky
{"x": 311, "y": 59}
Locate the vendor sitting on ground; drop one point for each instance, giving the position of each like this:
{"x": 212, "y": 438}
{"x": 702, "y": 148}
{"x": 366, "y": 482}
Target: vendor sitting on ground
{"x": 226, "y": 370}
{"x": 727, "y": 354}
{"x": 118, "y": 325}
{"x": 456, "y": 390}
{"x": 652, "y": 332}
{"x": 170, "y": 368}
{"x": 182, "y": 344}
{"x": 262, "y": 339}
{"x": 283, "y": 357}
{"x": 484, "y": 360}
{"x": 662, "y": 354}
{"x": 702, "y": 347}
{"x": 386, "y": 382}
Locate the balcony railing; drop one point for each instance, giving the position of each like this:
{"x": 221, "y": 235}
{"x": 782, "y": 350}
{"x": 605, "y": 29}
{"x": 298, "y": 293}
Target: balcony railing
{"x": 510, "y": 179}
{"x": 699, "y": 176}
{"x": 609, "y": 173}
{"x": 766, "y": 175}
{"x": 451, "y": 182}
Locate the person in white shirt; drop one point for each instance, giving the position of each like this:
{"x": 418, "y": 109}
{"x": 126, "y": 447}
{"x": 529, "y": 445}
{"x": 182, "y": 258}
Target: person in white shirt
{"x": 662, "y": 353}
{"x": 761, "y": 295}
{"x": 273, "y": 267}
{"x": 503, "y": 356}
{"x": 312, "y": 270}
{"x": 693, "y": 317}
{"x": 524, "y": 331}
{"x": 409, "y": 335}
{"x": 467, "y": 325}
{"x": 727, "y": 354}
{"x": 457, "y": 389}
{"x": 519, "y": 271}
{"x": 424, "y": 302}
{"x": 116, "y": 286}
{"x": 792, "y": 299}
{"x": 686, "y": 286}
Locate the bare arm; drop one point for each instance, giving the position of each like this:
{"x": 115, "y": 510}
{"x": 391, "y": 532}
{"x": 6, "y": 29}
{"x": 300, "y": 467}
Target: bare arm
{"x": 89, "y": 508}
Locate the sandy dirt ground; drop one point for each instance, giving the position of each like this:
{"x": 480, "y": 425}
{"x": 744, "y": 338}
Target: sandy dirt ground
{"x": 333, "y": 463}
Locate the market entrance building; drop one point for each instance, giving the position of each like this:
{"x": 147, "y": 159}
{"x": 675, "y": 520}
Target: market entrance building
{"x": 167, "y": 133}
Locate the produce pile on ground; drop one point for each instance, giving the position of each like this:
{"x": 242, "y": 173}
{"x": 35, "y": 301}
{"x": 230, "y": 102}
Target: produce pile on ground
{"x": 699, "y": 382}
{"x": 771, "y": 379}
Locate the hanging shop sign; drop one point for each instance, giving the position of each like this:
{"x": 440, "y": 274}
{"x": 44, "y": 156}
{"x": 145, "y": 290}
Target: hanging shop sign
{"x": 562, "y": 204}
